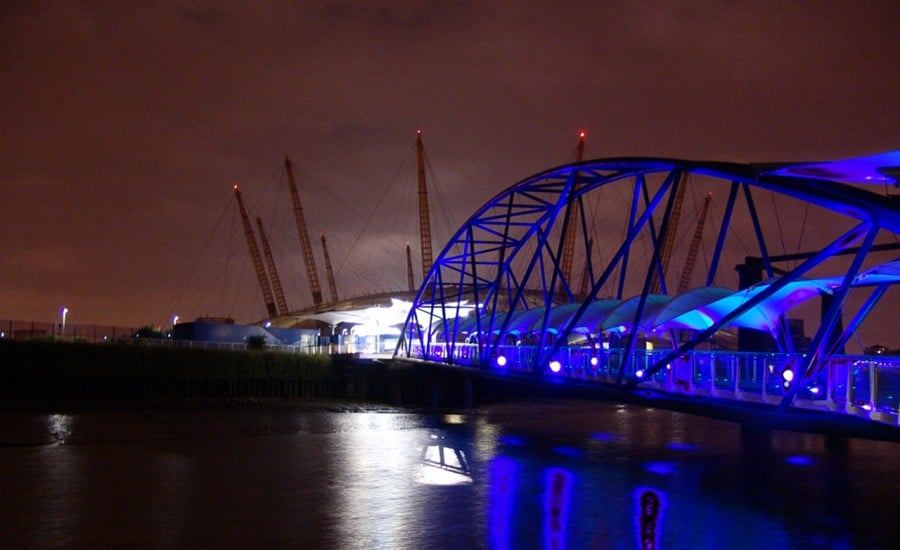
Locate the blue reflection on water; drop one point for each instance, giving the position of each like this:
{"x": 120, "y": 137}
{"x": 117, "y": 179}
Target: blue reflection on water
{"x": 662, "y": 468}
{"x": 568, "y": 451}
{"x": 507, "y": 439}
{"x": 681, "y": 446}
{"x": 557, "y": 483}
{"x": 799, "y": 460}
{"x": 649, "y": 506}
{"x": 503, "y": 487}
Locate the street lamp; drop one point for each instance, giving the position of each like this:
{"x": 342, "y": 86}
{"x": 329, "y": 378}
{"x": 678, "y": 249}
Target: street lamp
{"x": 65, "y": 311}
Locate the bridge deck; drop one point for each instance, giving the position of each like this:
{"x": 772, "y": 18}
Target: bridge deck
{"x": 848, "y": 393}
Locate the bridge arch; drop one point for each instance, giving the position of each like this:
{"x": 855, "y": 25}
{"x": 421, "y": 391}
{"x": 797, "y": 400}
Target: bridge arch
{"x": 501, "y": 288}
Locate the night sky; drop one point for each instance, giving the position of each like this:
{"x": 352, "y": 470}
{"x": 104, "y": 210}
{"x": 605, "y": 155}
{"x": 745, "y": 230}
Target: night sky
{"x": 126, "y": 124}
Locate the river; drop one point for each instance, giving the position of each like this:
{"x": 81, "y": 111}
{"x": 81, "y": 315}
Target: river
{"x": 543, "y": 474}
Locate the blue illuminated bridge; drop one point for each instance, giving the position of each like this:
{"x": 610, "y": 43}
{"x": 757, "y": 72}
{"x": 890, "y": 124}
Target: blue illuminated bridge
{"x": 769, "y": 284}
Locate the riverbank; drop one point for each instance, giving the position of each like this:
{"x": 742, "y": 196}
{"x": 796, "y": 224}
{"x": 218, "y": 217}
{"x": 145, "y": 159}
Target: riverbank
{"x": 53, "y": 374}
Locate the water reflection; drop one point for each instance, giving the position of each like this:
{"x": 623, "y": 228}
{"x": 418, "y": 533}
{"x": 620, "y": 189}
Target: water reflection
{"x": 442, "y": 464}
{"x": 553, "y": 475}
{"x": 556, "y": 507}
{"x": 59, "y": 427}
{"x": 648, "y": 516}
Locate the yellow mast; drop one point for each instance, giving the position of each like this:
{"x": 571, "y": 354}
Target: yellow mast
{"x": 270, "y": 263}
{"x": 332, "y": 287}
{"x": 308, "y": 259}
{"x": 257, "y": 260}
{"x": 409, "y": 270}
{"x": 668, "y": 240}
{"x": 568, "y": 252}
{"x": 424, "y": 217}
{"x": 695, "y": 247}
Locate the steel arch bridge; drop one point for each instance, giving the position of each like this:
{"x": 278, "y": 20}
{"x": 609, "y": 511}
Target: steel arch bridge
{"x": 610, "y": 270}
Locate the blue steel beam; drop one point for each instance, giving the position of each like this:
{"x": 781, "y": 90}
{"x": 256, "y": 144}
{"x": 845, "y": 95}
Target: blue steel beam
{"x": 723, "y": 232}
{"x": 857, "y": 320}
{"x": 528, "y": 216}
{"x": 620, "y": 254}
{"x": 820, "y": 341}
{"x": 639, "y": 185}
{"x": 674, "y": 181}
{"x": 844, "y": 241}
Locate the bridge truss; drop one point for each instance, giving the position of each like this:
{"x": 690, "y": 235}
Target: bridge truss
{"x": 793, "y": 232}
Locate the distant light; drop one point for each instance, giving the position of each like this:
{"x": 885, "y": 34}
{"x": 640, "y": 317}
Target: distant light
{"x": 639, "y": 374}
{"x": 581, "y": 135}
{"x": 501, "y": 361}
{"x": 235, "y": 187}
{"x": 814, "y": 390}
{"x": 594, "y": 361}
{"x": 268, "y": 324}
{"x": 555, "y": 365}
{"x": 788, "y": 375}
{"x": 867, "y": 407}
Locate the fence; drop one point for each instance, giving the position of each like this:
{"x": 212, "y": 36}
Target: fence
{"x": 101, "y": 334}
{"x": 71, "y": 332}
{"x": 867, "y": 386}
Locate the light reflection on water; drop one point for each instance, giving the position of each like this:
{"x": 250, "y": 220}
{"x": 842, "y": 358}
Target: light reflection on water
{"x": 548, "y": 474}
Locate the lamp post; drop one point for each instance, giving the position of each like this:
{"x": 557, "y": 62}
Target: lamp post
{"x": 62, "y": 331}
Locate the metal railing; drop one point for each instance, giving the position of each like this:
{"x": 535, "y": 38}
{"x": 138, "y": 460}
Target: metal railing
{"x": 866, "y": 386}
{"x": 70, "y": 332}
